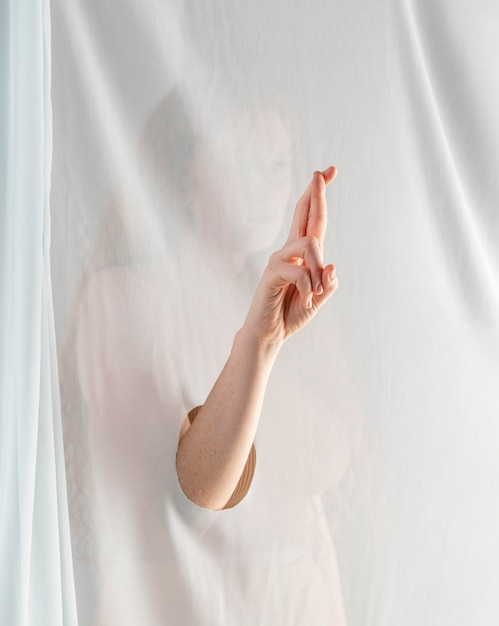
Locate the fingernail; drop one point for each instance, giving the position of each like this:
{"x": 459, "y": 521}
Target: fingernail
{"x": 308, "y": 305}
{"x": 319, "y": 289}
{"x": 331, "y": 276}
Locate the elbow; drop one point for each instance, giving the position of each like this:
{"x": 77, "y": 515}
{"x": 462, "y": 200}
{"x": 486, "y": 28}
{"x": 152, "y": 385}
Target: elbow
{"x": 196, "y": 487}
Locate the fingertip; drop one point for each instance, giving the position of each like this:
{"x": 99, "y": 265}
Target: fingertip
{"x": 329, "y": 274}
{"x": 318, "y": 175}
{"x": 329, "y": 174}
{"x": 307, "y": 300}
{"x": 319, "y": 181}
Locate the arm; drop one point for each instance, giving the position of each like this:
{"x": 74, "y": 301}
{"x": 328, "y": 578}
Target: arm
{"x": 213, "y": 450}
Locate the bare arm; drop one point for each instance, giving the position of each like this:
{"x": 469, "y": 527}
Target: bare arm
{"x": 213, "y": 450}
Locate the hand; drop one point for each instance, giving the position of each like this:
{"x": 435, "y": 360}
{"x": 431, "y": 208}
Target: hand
{"x": 295, "y": 284}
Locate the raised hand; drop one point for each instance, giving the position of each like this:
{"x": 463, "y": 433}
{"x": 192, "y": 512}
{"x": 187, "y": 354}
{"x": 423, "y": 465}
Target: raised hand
{"x": 213, "y": 451}
{"x": 295, "y": 284}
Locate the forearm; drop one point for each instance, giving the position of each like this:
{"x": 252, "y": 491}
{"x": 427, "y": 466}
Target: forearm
{"x": 295, "y": 284}
{"x": 212, "y": 453}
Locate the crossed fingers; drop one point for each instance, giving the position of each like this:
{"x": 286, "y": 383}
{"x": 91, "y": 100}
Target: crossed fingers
{"x": 303, "y": 252}
{"x": 310, "y": 217}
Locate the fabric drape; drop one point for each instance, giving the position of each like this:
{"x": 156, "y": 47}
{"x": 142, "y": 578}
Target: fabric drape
{"x": 36, "y": 573}
{"x": 183, "y": 135}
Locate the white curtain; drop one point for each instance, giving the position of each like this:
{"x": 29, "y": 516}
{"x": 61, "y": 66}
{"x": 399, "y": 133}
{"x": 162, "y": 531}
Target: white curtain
{"x": 36, "y": 572}
{"x": 183, "y": 135}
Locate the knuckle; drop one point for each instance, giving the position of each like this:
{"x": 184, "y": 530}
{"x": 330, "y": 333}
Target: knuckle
{"x": 322, "y": 211}
{"x": 312, "y": 243}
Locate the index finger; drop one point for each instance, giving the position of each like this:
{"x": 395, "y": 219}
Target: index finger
{"x": 317, "y": 216}
{"x": 308, "y": 206}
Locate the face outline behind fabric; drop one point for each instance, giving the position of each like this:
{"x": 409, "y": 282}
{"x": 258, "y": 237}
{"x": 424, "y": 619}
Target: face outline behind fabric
{"x": 252, "y": 154}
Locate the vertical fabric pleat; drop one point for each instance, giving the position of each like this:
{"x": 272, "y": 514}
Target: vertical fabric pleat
{"x": 36, "y": 580}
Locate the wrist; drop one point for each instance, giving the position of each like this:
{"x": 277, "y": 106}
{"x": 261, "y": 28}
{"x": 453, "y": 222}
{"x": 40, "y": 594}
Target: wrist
{"x": 265, "y": 350}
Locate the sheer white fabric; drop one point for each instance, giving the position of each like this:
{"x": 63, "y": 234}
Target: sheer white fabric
{"x": 36, "y": 572}
{"x": 183, "y": 135}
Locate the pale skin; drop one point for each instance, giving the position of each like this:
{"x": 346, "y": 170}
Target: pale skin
{"x": 213, "y": 450}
